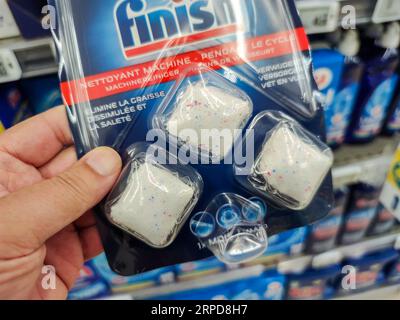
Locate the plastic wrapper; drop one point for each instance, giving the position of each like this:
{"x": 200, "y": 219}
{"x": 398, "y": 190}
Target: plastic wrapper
{"x": 163, "y": 72}
{"x": 152, "y": 201}
{"x": 290, "y": 163}
{"x": 202, "y": 107}
{"x": 233, "y": 228}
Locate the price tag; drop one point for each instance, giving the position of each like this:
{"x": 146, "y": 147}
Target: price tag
{"x": 8, "y": 27}
{"x": 10, "y": 69}
{"x": 386, "y": 10}
{"x": 319, "y": 16}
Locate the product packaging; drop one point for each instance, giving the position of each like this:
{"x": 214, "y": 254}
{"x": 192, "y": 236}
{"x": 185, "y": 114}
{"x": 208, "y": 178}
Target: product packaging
{"x": 323, "y": 234}
{"x": 90, "y": 285}
{"x": 393, "y": 271}
{"x": 13, "y": 105}
{"x": 361, "y": 211}
{"x": 210, "y": 103}
{"x": 339, "y": 115}
{"x": 282, "y": 245}
{"x": 377, "y": 87}
{"x": 29, "y": 16}
{"x": 268, "y": 286}
{"x": 392, "y": 123}
{"x": 328, "y": 71}
{"x": 369, "y": 270}
{"x": 383, "y": 221}
{"x": 311, "y": 281}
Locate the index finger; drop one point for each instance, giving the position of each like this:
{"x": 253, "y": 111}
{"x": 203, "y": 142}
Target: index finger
{"x": 39, "y": 139}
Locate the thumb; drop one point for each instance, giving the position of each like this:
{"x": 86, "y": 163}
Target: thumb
{"x": 34, "y": 214}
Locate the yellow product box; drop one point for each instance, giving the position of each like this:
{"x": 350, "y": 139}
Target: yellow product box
{"x": 390, "y": 197}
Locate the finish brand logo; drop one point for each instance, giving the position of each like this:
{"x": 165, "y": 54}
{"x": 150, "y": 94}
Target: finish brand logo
{"x": 148, "y": 26}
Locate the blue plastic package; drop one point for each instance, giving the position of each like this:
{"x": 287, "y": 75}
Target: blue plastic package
{"x": 392, "y": 123}
{"x": 339, "y": 115}
{"x": 377, "y": 87}
{"x": 13, "y": 105}
{"x": 383, "y": 221}
{"x": 328, "y": 70}
{"x": 90, "y": 291}
{"x": 393, "y": 271}
{"x": 369, "y": 270}
{"x": 268, "y": 286}
{"x": 28, "y": 15}
{"x": 177, "y": 88}
{"x": 311, "y": 282}
{"x": 90, "y": 285}
{"x": 363, "y": 204}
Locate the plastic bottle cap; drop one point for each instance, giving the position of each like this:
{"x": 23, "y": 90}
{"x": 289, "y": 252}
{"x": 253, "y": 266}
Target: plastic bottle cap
{"x": 350, "y": 44}
{"x": 390, "y": 39}
{"x": 327, "y": 259}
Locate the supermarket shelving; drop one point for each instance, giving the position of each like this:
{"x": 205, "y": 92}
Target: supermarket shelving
{"x": 376, "y": 243}
{"x": 388, "y": 292}
{"x": 321, "y": 16}
{"x": 38, "y": 57}
{"x": 35, "y": 57}
{"x": 207, "y": 281}
{"x": 355, "y": 163}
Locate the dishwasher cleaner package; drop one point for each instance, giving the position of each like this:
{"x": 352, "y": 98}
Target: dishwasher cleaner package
{"x": 213, "y": 107}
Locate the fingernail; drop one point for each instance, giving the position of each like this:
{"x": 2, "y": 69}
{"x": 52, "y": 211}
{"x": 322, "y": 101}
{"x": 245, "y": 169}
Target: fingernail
{"x": 104, "y": 161}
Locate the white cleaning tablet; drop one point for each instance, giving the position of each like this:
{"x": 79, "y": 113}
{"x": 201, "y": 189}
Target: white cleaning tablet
{"x": 207, "y": 107}
{"x": 154, "y": 204}
{"x": 292, "y": 168}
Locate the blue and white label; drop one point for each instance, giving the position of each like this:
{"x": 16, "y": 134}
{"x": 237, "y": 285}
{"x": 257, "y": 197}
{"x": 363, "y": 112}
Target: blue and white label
{"x": 325, "y": 79}
{"x": 375, "y": 110}
{"x": 338, "y": 115}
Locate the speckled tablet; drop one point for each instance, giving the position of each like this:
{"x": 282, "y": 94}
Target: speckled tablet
{"x": 208, "y": 107}
{"x": 293, "y": 169}
{"x": 154, "y": 204}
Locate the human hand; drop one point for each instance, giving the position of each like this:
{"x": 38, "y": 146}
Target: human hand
{"x": 45, "y": 198}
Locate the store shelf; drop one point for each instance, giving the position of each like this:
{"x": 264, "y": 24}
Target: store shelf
{"x": 366, "y": 246}
{"x": 384, "y": 293}
{"x": 355, "y": 163}
{"x": 33, "y": 57}
{"x": 38, "y": 57}
{"x": 391, "y": 240}
{"x": 199, "y": 283}
{"x": 321, "y": 16}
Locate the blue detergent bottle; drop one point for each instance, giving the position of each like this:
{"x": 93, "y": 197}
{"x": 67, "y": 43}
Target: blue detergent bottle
{"x": 377, "y": 87}
{"x": 338, "y": 116}
{"x": 311, "y": 280}
{"x": 392, "y": 123}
